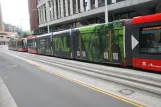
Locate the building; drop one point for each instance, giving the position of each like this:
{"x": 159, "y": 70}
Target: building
{"x": 11, "y": 28}
{"x": 5, "y": 37}
{"x": 33, "y": 15}
{"x": 7, "y": 27}
{"x": 1, "y": 20}
{"x": 57, "y": 15}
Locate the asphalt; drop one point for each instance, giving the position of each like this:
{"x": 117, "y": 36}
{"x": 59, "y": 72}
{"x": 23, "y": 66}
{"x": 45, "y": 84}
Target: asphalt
{"x": 32, "y": 87}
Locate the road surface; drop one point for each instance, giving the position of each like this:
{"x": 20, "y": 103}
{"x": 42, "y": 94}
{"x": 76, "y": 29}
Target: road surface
{"x": 32, "y": 87}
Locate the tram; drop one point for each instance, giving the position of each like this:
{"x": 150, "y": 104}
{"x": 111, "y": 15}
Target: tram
{"x": 130, "y": 42}
{"x": 31, "y": 44}
{"x": 22, "y": 45}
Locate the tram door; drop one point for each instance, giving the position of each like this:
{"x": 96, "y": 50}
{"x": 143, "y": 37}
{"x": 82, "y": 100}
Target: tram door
{"x": 114, "y": 46}
{"x": 131, "y": 40}
{"x": 48, "y": 50}
{"x": 109, "y": 45}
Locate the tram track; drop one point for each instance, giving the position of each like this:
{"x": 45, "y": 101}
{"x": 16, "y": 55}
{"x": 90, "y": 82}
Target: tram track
{"x": 143, "y": 82}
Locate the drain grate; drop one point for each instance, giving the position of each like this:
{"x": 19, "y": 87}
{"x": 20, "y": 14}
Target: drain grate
{"x": 126, "y": 92}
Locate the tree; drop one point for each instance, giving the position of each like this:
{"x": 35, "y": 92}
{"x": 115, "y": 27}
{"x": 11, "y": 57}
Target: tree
{"x": 25, "y": 34}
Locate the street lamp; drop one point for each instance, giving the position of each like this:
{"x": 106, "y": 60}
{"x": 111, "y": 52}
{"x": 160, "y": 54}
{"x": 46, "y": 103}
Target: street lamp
{"x": 21, "y": 26}
{"x": 106, "y": 12}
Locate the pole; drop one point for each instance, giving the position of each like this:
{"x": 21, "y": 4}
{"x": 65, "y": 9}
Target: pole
{"x": 21, "y": 27}
{"x": 48, "y": 27}
{"x": 106, "y": 12}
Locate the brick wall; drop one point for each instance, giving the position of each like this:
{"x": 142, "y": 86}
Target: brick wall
{"x": 33, "y": 14}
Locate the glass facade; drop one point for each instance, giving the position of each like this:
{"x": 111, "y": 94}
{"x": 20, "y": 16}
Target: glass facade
{"x": 61, "y": 9}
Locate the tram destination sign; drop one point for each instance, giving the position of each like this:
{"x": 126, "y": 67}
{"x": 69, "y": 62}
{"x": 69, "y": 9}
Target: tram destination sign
{"x": 152, "y": 28}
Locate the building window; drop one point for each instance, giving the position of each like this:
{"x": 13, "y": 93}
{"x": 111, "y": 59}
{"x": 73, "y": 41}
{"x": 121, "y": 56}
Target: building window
{"x": 92, "y": 4}
{"x": 74, "y": 6}
{"x": 69, "y": 7}
{"x": 119, "y": 0}
{"x": 52, "y": 3}
{"x": 78, "y": 6}
{"x": 56, "y": 1}
{"x": 59, "y": 8}
{"x": 122, "y": 16}
{"x": 45, "y": 13}
{"x": 64, "y": 7}
{"x": 41, "y": 15}
{"x": 84, "y": 9}
{"x": 150, "y": 40}
{"x": 101, "y": 3}
{"x": 50, "y": 9}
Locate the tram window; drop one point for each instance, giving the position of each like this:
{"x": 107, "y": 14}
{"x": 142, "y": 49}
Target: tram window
{"x": 67, "y": 38}
{"x": 150, "y": 40}
{"x": 43, "y": 43}
{"x": 48, "y": 42}
{"x": 30, "y": 44}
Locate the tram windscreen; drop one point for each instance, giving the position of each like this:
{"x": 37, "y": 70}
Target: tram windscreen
{"x": 150, "y": 40}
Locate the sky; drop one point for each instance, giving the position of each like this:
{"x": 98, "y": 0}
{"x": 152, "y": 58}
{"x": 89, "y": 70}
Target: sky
{"x": 16, "y": 13}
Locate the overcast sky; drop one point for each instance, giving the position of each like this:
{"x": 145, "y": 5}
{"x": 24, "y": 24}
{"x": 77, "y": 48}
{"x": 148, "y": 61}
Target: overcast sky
{"x": 16, "y": 12}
